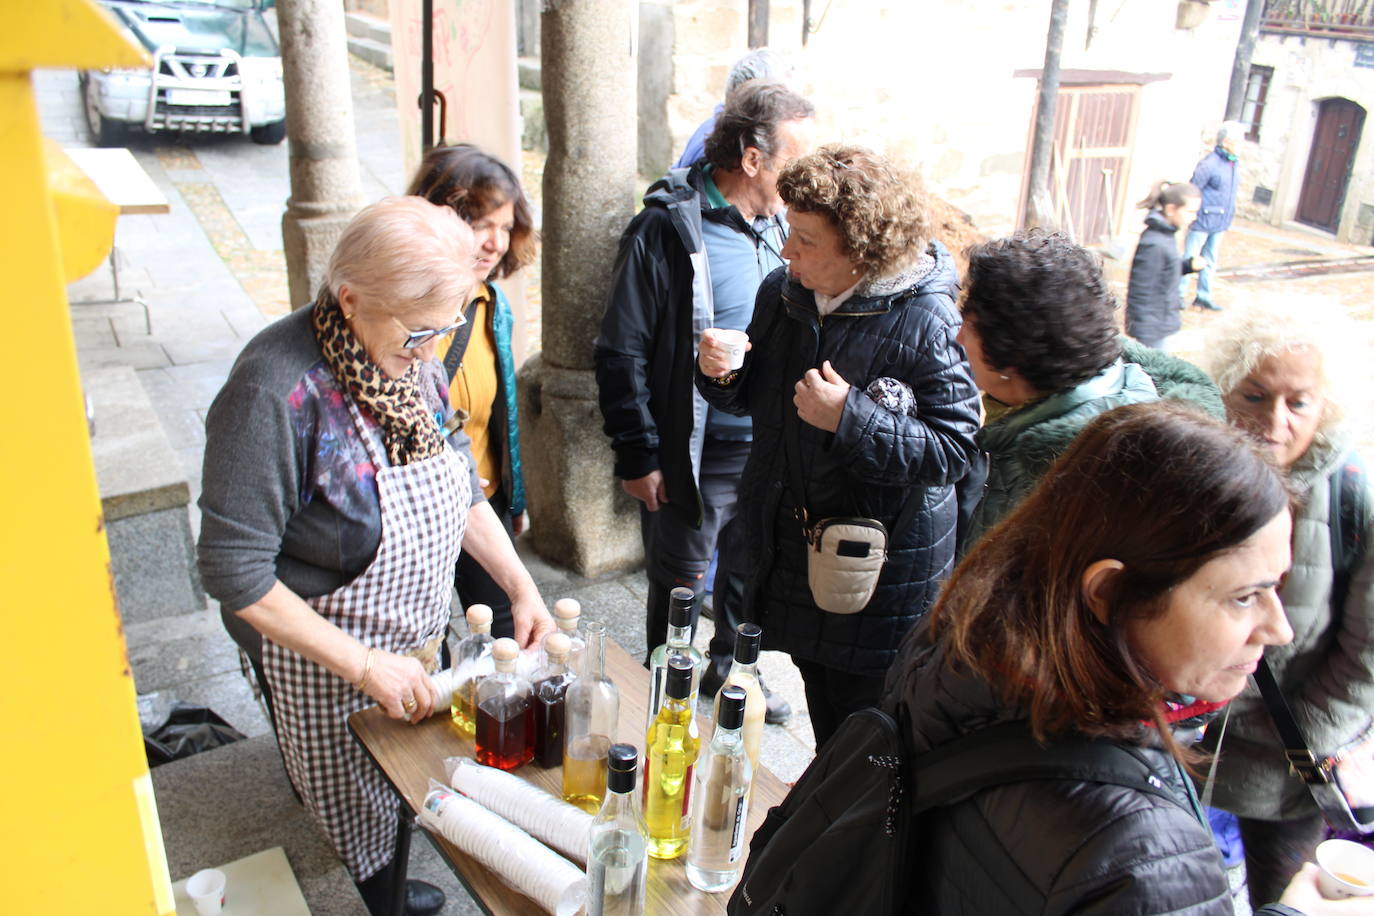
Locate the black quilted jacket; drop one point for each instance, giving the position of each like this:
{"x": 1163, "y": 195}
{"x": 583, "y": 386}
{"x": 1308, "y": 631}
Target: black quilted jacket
{"x": 868, "y": 467}
{"x": 1052, "y": 846}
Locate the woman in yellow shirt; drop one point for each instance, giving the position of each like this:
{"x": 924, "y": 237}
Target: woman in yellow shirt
{"x": 477, "y": 359}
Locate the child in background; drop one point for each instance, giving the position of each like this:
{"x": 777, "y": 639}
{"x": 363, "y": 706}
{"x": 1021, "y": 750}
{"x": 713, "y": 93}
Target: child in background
{"x": 1152, "y": 300}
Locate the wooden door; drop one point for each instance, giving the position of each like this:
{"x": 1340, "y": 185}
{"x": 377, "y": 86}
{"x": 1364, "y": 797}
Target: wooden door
{"x": 1094, "y": 135}
{"x": 1339, "y": 122}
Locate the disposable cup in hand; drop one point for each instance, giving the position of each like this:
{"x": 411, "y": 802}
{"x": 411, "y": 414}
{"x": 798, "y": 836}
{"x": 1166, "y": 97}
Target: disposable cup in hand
{"x": 733, "y": 343}
{"x": 206, "y": 890}
{"x": 1347, "y": 869}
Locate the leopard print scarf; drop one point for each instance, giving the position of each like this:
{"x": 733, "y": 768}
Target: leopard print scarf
{"x": 408, "y": 426}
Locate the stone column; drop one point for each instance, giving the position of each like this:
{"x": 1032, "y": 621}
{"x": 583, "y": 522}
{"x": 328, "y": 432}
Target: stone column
{"x": 325, "y": 189}
{"x": 579, "y": 516}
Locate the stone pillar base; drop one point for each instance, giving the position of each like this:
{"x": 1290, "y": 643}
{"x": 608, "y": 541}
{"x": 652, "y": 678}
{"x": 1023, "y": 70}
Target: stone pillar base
{"x": 580, "y": 518}
{"x": 308, "y": 236}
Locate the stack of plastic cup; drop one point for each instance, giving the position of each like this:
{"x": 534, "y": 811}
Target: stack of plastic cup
{"x": 520, "y": 860}
{"x": 563, "y": 826}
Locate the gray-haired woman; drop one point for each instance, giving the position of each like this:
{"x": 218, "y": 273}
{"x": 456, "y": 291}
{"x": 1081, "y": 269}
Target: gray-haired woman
{"x": 1287, "y": 373}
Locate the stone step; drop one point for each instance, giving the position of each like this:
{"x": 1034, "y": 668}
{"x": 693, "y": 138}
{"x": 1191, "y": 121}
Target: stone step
{"x": 374, "y": 52}
{"x": 361, "y": 25}
{"x": 534, "y": 135}
{"x": 531, "y": 77}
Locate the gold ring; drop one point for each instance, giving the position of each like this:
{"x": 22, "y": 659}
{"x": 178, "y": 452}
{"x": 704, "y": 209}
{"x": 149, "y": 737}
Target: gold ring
{"x": 408, "y": 705}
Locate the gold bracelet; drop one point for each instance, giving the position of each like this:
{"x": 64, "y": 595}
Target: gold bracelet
{"x": 367, "y": 667}
{"x": 726, "y": 379}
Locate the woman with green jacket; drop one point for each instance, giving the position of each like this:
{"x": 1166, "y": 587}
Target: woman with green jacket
{"x": 1289, "y": 374}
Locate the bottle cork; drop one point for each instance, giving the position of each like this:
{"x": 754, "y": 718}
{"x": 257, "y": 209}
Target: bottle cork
{"x": 567, "y": 609}
{"x": 557, "y": 645}
{"x": 479, "y": 615}
{"x": 505, "y": 649}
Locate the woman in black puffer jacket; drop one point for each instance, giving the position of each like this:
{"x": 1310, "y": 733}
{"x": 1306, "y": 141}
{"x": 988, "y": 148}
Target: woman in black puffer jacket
{"x": 854, "y": 348}
{"x": 1152, "y": 298}
{"x": 1125, "y": 600}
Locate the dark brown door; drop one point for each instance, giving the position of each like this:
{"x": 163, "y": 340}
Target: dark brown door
{"x": 1339, "y": 122}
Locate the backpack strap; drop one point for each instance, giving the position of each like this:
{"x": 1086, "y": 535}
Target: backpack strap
{"x": 1346, "y": 521}
{"x": 459, "y": 345}
{"x": 1008, "y": 753}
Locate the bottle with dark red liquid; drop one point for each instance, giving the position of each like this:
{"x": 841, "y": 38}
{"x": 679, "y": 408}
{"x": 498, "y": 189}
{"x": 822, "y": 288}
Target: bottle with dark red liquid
{"x": 505, "y": 712}
{"x": 550, "y": 689}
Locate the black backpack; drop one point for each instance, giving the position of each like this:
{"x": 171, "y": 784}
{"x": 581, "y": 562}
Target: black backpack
{"x": 843, "y": 841}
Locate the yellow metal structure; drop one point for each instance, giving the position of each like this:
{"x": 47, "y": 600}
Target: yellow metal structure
{"x": 80, "y": 826}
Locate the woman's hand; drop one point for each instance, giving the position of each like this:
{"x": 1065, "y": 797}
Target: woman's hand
{"x": 820, "y": 397}
{"x": 532, "y": 620}
{"x": 400, "y": 685}
{"x": 1302, "y": 894}
{"x": 713, "y": 356}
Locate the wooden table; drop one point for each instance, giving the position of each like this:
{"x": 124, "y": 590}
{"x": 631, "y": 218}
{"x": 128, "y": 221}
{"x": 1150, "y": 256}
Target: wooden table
{"x": 410, "y": 755}
{"x": 124, "y": 183}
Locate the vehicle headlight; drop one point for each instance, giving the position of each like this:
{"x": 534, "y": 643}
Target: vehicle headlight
{"x": 261, "y": 69}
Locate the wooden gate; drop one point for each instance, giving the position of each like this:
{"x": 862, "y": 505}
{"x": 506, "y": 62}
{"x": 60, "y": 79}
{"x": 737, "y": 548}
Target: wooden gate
{"x": 1339, "y": 122}
{"x": 1094, "y": 134}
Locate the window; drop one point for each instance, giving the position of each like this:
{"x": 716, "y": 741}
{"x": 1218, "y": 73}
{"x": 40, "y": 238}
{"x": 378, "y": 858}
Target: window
{"x": 1256, "y": 93}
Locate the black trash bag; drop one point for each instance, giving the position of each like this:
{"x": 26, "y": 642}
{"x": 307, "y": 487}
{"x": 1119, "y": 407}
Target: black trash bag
{"x": 188, "y": 730}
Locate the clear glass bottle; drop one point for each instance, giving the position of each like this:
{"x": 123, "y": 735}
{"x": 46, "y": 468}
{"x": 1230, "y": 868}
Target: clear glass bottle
{"x": 567, "y": 614}
{"x": 744, "y": 673}
{"x": 679, "y": 644}
{"x": 505, "y": 712}
{"x": 591, "y": 711}
{"x": 618, "y": 844}
{"x": 722, "y": 799}
{"x": 670, "y": 751}
{"x": 472, "y": 662}
{"x": 550, "y": 692}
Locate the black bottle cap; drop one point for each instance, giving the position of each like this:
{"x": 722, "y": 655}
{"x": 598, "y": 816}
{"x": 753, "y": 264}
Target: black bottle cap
{"x": 680, "y": 601}
{"x": 680, "y": 670}
{"x": 621, "y": 766}
{"x": 747, "y": 639}
{"x": 731, "y": 707}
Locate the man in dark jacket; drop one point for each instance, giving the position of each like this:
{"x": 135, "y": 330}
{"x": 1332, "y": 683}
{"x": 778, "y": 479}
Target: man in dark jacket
{"x": 1216, "y": 176}
{"x": 691, "y": 260}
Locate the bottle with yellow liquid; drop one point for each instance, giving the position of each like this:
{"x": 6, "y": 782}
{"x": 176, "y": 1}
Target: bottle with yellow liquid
{"x": 471, "y": 662}
{"x": 591, "y": 709}
{"x": 670, "y": 753}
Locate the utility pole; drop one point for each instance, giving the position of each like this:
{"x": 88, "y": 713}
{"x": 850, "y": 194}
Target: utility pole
{"x": 1245, "y": 49}
{"x": 1039, "y": 205}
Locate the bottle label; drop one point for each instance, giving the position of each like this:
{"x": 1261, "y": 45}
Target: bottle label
{"x": 687, "y": 798}
{"x": 737, "y": 834}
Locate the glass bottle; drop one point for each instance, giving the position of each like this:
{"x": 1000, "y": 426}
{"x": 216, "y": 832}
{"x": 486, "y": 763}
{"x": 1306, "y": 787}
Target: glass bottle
{"x": 505, "y": 712}
{"x": 744, "y": 673}
{"x": 670, "y": 752}
{"x": 592, "y": 708}
{"x": 618, "y": 844}
{"x": 722, "y": 799}
{"x": 567, "y": 613}
{"x": 472, "y": 662}
{"x": 679, "y": 644}
{"x": 550, "y": 692}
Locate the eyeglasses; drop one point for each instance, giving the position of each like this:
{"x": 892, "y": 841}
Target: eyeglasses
{"x": 425, "y": 335}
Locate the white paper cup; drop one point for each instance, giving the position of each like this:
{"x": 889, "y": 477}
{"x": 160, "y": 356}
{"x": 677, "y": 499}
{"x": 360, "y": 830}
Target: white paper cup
{"x": 206, "y": 890}
{"x": 733, "y": 343}
{"x": 1347, "y": 869}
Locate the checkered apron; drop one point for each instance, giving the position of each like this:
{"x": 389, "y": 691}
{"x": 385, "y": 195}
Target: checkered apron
{"x": 400, "y": 602}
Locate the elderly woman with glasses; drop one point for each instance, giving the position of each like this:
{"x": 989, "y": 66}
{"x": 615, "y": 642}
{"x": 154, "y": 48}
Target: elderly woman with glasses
{"x": 336, "y": 500}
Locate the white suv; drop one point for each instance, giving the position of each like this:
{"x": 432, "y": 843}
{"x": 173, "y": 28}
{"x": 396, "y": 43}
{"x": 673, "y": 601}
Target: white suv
{"x": 216, "y": 69}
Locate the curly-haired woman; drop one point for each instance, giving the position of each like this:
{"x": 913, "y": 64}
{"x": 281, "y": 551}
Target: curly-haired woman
{"x": 479, "y": 362}
{"x": 1290, "y": 374}
{"x": 1041, "y": 334}
{"x": 862, "y": 400}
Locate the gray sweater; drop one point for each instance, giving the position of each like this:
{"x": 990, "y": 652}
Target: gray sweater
{"x": 289, "y": 490}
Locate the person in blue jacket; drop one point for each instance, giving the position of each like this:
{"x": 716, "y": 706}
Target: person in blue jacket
{"x": 478, "y": 359}
{"x": 1217, "y": 178}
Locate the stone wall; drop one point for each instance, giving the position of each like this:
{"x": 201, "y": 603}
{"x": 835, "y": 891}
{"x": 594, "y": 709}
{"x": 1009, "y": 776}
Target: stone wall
{"x": 935, "y": 82}
{"x": 1306, "y": 71}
